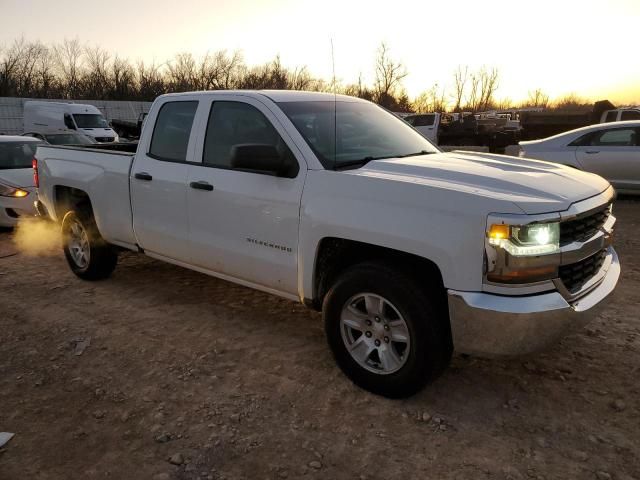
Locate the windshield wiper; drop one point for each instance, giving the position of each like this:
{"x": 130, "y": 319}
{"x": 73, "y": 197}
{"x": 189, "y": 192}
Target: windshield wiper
{"x": 415, "y": 154}
{"x": 363, "y": 161}
{"x": 360, "y": 163}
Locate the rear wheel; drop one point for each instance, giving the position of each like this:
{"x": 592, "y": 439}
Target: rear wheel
{"x": 88, "y": 255}
{"x": 387, "y": 334}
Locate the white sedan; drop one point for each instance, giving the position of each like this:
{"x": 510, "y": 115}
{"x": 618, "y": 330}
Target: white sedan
{"x": 612, "y": 150}
{"x": 17, "y": 190}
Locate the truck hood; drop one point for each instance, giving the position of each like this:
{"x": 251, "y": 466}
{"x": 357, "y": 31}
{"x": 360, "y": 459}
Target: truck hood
{"x": 534, "y": 186}
{"x": 17, "y": 177}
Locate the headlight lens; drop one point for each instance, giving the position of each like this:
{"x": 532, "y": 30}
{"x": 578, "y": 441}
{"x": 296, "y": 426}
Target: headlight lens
{"x": 7, "y": 191}
{"x": 526, "y": 240}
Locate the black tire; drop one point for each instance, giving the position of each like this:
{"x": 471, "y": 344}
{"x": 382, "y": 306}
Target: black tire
{"x": 102, "y": 257}
{"x": 430, "y": 344}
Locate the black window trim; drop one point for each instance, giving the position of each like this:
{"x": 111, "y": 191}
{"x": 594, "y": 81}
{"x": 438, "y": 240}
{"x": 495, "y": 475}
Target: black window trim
{"x": 171, "y": 160}
{"x": 268, "y": 174}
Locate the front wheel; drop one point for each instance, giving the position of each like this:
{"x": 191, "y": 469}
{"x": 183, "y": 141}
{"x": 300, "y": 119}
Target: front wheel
{"x": 387, "y": 334}
{"x": 88, "y": 255}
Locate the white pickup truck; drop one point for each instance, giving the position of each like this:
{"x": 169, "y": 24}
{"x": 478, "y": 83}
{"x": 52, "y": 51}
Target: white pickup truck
{"x": 408, "y": 252}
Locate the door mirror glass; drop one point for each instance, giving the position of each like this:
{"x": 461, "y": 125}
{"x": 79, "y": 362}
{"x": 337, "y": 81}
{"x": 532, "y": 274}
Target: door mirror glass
{"x": 259, "y": 158}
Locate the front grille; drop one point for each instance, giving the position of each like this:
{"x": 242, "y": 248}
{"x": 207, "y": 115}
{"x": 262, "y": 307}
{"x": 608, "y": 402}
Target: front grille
{"x": 575, "y": 275}
{"x": 105, "y": 139}
{"x": 581, "y": 229}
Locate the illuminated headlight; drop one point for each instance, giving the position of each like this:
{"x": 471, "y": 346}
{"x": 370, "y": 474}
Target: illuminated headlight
{"x": 526, "y": 240}
{"x": 8, "y": 191}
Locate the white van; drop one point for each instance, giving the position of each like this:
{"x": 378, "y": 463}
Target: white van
{"x": 50, "y": 117}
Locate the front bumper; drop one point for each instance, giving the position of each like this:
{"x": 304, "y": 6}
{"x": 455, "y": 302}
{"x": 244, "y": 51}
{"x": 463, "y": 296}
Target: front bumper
{"x": 492, "y": 325}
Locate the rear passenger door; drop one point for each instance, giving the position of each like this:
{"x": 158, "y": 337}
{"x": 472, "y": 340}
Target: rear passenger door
{"x": 159, "y": 180}
{"x": 244, "y": 224}
{"x": 614, "y": 154}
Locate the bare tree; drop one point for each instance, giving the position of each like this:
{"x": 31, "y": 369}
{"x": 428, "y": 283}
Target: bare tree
{"x": 488, "y": 87}
{"x": 483, "y": 84}
{"x": 47, "y": 83}
{"x": 432, "y": 100}
{"x": 122, "y": 79}
{"x": 572, "y": 101}
{"x": 150, "y": 81}
{"x": 182, "y": 73}
{"x": 97, "y": 81}
{"x": 9, "y": 66}
{"x": 228, "y": 69}
{"x": 504, "y": 104}
{"x": 69, "y": 61}
{"x": 460, "y": 78}
{"x": 389, "y": 76}
{"x": 537, "y": 98}
{"x": 473, "y": 94}
{"x": 300, "y": 79}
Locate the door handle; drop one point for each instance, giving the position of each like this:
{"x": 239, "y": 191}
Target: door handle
{"x": 143, "y": 176}
{"x": 201, "y": 185}
{"x": 590, "y": 152}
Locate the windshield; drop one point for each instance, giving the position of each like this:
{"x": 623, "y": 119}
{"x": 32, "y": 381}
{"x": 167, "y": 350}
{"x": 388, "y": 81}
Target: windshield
{"x": 90, "y": 120}
{"x": 364, "y": 132}
{"x": 68, "y": 139}
{"x": 17, "y": 154}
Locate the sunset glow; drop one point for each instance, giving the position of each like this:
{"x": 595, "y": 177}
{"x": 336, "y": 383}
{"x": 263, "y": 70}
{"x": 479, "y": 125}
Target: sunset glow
{"x": 584, "y": 46}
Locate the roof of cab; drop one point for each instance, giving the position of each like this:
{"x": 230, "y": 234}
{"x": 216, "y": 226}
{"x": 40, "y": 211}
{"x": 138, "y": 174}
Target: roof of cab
{"x": 277, "y": 95}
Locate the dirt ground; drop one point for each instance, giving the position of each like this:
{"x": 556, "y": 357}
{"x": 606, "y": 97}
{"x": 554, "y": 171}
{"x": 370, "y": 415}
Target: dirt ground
{"x": 113, "y": 379}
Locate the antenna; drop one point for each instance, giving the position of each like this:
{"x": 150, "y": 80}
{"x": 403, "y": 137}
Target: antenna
{"x": 335, "y": 106}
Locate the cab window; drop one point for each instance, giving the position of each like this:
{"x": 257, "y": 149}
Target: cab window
{"x": 630, "y": 115}
{"x": 172, "y": 130}
{"x": 236, "y": 123}
{"x": 423, "y": 120}
{"x": 611, "y": 116}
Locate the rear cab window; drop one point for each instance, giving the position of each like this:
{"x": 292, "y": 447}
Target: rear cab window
{"x": 611, "y": 116}
{"x": 630, "y": 115}
{"x": 171, "y": 133}
{"x": 423, "y": 120}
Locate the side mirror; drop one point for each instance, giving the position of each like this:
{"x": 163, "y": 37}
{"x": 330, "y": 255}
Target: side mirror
{"x": 261, "y": 158}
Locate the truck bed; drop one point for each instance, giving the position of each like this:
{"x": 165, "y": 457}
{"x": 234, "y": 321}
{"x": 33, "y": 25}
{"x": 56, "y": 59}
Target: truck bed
{"x": 102, "y": 173}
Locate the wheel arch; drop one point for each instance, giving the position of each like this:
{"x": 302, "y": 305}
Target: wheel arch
{"x": 67, "y": 198}
{"x": 334, "y": 255}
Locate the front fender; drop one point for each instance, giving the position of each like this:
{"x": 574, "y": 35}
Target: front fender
{"x": 444, "y": 226}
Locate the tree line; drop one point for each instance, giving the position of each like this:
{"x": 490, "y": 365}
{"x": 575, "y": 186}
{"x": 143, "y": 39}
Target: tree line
{"x": 72, "y": 70}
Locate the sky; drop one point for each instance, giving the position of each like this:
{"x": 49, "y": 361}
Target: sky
{"x": 586, "y": 47}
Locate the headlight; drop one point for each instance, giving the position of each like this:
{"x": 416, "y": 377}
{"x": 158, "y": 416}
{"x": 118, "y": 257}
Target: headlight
{"x": 7, "y": 191}
{"x": 526, "y": 240}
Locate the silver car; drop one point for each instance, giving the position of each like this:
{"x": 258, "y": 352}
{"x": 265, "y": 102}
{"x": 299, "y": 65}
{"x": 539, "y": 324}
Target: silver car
{"x": 612, "y": 150}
